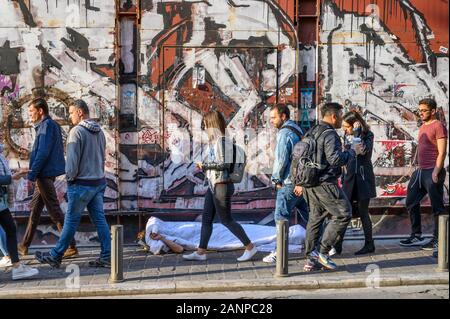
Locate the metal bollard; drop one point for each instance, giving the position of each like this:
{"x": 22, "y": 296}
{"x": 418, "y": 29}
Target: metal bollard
{"x": 117, "y": 254}
{"x": 443, "y": 243}
{"x": 282, "y": 248}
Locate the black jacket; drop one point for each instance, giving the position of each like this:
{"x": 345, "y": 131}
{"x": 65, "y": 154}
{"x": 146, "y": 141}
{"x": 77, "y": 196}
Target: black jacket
{"x": 331, "y": 154}
{"x": 358, "y": 178}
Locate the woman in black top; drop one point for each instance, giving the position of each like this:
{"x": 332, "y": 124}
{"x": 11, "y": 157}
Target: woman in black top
{"x": 358, "y": 180}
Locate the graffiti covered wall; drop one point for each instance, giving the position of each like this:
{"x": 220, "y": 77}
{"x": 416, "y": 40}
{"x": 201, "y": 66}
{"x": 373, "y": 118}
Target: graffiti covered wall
{"x": 197, "y": 56}
{"x": 192, "y": 56}
{"x": 381, "y": 58}
{"x": 63, "y": 50}
{"x": 149, "y": 77}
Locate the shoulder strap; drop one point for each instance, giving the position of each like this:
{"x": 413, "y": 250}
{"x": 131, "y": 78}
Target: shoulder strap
{"x": 323, "y": 131}
{"x": 294, "y": 129}
{"x": 316, "y": 131}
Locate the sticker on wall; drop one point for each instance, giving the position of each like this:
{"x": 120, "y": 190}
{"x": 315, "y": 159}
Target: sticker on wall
{"x": 443, "y": 50}
{"x": 198, "y": 77}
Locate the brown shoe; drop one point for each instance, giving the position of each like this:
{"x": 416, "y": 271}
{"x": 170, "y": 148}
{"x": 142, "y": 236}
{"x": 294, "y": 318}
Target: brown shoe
{"x": 22, "y": 250}
{"x": 71, "y": 252}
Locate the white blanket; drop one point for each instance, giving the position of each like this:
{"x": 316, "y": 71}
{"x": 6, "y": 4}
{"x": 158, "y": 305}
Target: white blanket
{"x": 187, "y": 234}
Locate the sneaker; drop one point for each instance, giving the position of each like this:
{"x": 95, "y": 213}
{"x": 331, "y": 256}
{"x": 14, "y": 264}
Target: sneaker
{"x": 100, "y": 263}
{"x": 248, "y": 254}
{"x": 5, "y": 262}
{"x": 195, "y": 256}
{"x": 413, "y": 241}
{"x": 23, "y": 271}
{"x": 22, "y": 250}
{"x": 332, "y": 252}
{"x": 70, "y": 252}
{"x": 314, "y": 255}
{"x": 431, "y": 245}
{"x": 270, "y": 258}
{"x": 46, "y": 258}
{"x": 312, "y": 265}
{"x": 325, "y": 261}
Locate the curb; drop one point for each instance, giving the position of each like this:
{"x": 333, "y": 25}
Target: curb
{"x": 310, "y": 283}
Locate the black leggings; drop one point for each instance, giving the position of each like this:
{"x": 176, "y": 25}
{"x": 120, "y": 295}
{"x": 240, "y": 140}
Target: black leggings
{"x": 220, "y": 202}
{"x": 7, "y": 222}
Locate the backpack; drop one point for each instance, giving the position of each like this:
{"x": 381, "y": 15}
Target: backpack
{"x": 305, "y": 167}
{"x": 237, "y": 168}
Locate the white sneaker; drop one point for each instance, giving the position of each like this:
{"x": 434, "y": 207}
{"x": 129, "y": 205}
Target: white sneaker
{"x": 248, "y": 254}
{"x": 332, "y": 251}
{"x": 271, "y": 258}
{"x": 195, "y": 256}
{"x": 23, "y": 271}
{"x": 5, "y": 262}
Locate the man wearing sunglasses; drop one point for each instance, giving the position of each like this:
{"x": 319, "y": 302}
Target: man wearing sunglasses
{"x": 429, "y": 177}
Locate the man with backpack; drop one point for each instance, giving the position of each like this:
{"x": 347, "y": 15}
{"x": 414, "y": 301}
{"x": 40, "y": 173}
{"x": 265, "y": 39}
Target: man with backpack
{"x": 288, "y": 135}
{"x": 317, "y": 163}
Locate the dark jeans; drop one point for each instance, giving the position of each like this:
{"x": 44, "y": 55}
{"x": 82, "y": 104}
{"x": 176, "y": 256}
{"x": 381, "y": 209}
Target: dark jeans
{"x": 421, "y": 184}
{"x": 220, "y": 203}
{"x": 44, "y": 194}
{"x": 7, "y": 222}
{"x": 323, "y": 200}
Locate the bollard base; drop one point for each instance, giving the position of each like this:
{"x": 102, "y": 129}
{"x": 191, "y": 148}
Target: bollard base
{"x": 280, "y": 275}
{"x": 441, "y": 269}
{"x": 116, "y": 281}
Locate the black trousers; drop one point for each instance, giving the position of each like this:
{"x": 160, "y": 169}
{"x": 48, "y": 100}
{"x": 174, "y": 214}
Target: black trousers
{"x": 323, "y": 200}
{"x": 421, "y": 183}
{"x": 7, "y": 222}
{"x": 220, "y": 202}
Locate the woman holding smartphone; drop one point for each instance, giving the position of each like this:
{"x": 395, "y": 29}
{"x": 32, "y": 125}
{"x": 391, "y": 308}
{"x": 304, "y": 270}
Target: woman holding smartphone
{"x": 358, "y": 180}
{"x": 220, "y": 188}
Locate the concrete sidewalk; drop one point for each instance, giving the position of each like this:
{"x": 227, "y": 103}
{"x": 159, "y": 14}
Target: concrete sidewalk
{"x": 391, "y": 265}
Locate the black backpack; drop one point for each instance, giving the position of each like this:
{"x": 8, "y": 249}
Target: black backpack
{"x": 306, "y": 167}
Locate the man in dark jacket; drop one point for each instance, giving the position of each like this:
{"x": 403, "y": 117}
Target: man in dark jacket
{"x": 327, "y": 197}
{"x": 46, "y": 163}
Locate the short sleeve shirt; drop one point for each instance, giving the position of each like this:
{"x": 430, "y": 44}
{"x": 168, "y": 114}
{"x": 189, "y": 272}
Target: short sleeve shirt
{"x": 428, "y": 137}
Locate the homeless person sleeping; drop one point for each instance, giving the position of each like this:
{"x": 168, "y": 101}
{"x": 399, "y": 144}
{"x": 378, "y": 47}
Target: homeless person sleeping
{"x": 164, "y": 236}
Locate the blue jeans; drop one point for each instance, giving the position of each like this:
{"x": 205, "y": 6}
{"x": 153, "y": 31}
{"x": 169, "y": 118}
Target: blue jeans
{"x": 80, "y": 197}
{"x": 3, "y": 248}
{"x": 286, "y": 200}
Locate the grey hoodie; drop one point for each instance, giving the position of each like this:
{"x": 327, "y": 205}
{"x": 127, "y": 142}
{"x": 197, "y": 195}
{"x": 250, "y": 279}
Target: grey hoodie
{"x": 86, "y": 152}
